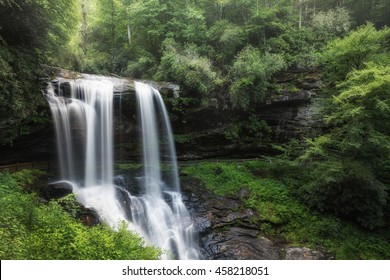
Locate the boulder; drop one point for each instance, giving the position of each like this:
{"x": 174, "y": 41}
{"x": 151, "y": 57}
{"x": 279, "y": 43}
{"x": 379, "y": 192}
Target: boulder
{"x": 57, "y": 190}
{"x": 237, "y": 243}
{"x": 88, "y": 216}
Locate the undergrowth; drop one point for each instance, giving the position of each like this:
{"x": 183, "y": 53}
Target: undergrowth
{"x": 32, "y": 229}
{"x": 272, "y": 184}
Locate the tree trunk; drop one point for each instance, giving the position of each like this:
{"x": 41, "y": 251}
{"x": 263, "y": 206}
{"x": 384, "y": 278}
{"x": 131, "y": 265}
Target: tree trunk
{"x": 300, "y": 14}
{"x": 129, "y": 33}
{"x": 84, "y": 26}
{"x": 112, "y": 36}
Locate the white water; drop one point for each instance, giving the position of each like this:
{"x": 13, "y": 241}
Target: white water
{"x": 168, "y": 224}
{"x": 84, "y": 132}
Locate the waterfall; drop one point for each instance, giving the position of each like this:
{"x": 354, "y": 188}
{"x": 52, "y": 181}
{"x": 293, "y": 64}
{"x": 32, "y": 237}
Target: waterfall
{"x": 169, "y": 224}
{"x": 83, "y": 123}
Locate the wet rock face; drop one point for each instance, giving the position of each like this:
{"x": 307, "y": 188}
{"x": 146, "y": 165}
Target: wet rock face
{"x": 290, "y": 111}
{"x": 226, "y": 230}
{"x": 230, "y": 231}
{"x": 237, "y": 243}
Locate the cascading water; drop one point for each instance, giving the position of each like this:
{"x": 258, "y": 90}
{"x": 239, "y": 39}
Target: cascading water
{"x": 83, "y": 124}
{"x": 168, "y": 221}
{"x": 84, "y": 131}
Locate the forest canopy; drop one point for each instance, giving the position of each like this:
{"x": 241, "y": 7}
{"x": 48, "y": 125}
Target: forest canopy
{"x": 200, "y": 44}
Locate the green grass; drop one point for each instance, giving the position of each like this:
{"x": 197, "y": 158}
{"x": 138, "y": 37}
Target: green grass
{"x": 31, "y": 229}
{"x": 272, "y": 184}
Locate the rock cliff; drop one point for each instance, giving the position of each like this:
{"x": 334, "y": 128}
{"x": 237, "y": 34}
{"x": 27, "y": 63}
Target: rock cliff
{"x": 290, "y": 111}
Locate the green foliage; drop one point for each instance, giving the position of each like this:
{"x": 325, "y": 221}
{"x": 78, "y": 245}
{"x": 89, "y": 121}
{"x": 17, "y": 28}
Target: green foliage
{"x": 223, "y": 179}
{"x": 145, "y": 66}
{"x": 334, "y": 22}
{"x": 128, "y": 166}
{"x": 97, "y": 62}
{"x": 348, "y": 190}
{"x": 20, "y": 100}
{"x": 147, "y": 21}
{"x": 350, "y": 171}
{"x": 107, "y": 39}
{"x": 182, "y": 138}
{"x": 350, "y": 163}
{"x": 32, "y": 33}
{"x": 366, "y": 44}
{"x": 250, "y": 76}
{"x": 252, "y": 130}
{"x": 188, "y": 68}
{"x": 31, "y": 230}
{"x": 43, "y": 26}
{"x": 227, "y": 38}
{"x": 187, "y": 24}
{"x": 272, "y": 184}
{"x": 268, "y": 196}
{"x": 196, "y": 43}
{"x": 30, "y": 179}
{"x": 272, "y": 200}
{"x": 219, "y": 51}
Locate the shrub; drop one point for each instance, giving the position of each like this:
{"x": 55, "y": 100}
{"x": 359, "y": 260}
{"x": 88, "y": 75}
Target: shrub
{"x": 31, "y": 230}
{"x": 347, "y": 189}
{"x": 254, "y": 130}
{"x": 188, "y": 68}
{"x": 282, "y": 214}
{"x": 142, "y": 67}
{"x": 334, "y": 22}
{"x": 350, "y": 170}
{"x": 250, "y": 76}
{"x": 342, "y": 55}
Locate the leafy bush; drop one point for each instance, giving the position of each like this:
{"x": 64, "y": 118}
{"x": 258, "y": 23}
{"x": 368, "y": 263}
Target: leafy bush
{"x": 348, "y": 190}
{"x": 30, "y": 179}
{"x": 143, "y": 67}
{"x": 97, "y": 62}
{"x": 272, "y": 200}
{"x": 20, "y": 100}
{"x": 350, "y": 163}
{"x": 334, "y": 22}
{"x": 272, "y": 184}
{"x": 250, "y": 76}
{"x": 223, "y": 179}
{"x": 226, "y": 38}
{"x": 253, "y": 130}
{"x": 188, "y": 68}
{"x": 32, "y": 230}
{"x": 342, "y": 55}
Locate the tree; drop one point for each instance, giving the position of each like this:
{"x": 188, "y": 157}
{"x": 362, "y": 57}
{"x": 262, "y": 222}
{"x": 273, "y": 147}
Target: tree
{"x": 342, "y": 55}
{"x": 350, "y": 165}
{"x": 186, "y": 67}
{"x": 334, "y": 22}
{"x": 226, "y": 38}
{"x": 32, "y": 33}
{"x": 84, "y": 25}
{"x": 250, "y": 75}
